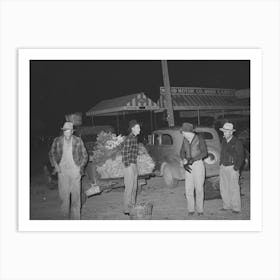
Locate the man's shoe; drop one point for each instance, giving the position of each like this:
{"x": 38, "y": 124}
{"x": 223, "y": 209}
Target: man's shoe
{"x": 224, "y": 209}
{"x": 190, "y": 213}
{"x": 200, "y": 213}
{"x": 126, "y": 212}
{"x": 235, "y": 212}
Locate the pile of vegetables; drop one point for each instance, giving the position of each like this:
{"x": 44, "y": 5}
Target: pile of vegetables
{"x": 107, "y": 156}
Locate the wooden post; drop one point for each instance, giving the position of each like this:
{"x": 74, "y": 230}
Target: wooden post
{"x": 198, "y": 117}
{"x": 118, "y": 124}
{"x": 152, "y": 127}
{"x": 167, "y": 95}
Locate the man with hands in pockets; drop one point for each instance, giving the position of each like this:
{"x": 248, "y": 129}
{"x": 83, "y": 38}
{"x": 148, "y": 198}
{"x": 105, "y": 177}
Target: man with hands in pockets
{"x": 69, "y": 156}
{"x": 231, "y": 159}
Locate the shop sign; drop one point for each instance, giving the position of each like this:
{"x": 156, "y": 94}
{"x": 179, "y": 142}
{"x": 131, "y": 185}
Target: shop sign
{"x": 196, "y": 90}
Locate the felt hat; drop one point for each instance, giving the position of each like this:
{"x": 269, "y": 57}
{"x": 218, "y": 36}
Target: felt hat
{"x": 187, "y": 127}
{"x": 132, "y": 123}
{"x": 227, "y": 127}
{"x": 67, "y": 126}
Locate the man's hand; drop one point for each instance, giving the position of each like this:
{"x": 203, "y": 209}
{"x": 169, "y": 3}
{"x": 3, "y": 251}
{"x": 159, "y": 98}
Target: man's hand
{"x": 82, "y": 172}
{"x": 235, "y": 169}
{"x": 187, "y": 167}
{"x": 190, "y": 161}
{"x": 57, "y": 168}
{"x": 183, "y": 162}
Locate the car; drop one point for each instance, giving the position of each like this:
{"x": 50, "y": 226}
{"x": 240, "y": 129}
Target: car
{"x": 164, "y": 147}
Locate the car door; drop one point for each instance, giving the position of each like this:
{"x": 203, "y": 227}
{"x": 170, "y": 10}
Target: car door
{"x": 167, "y": 151}
{"x": 153, "y": 148}
{"x": 213, "y": 150}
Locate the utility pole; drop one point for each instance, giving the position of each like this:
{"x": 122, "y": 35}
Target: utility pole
{"x": 167, "y": 94}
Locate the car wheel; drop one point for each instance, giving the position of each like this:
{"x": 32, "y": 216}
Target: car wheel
{"x": 47, "y": 175}
{"x": 246, "y": 165}
{"x": 83, "y": 198}
{"x": 213, "y": 182}
{"x": 168, "y": 178}
{"x": 212, "y": 188}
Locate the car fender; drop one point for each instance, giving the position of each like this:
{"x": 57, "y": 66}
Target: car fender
{"x": 161, "y": 168}
{"x": 175, "y": 168}
{"x": 213, "y": 156}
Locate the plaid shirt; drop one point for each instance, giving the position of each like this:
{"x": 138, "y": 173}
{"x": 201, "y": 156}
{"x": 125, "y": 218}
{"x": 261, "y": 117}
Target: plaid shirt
{"x": 130, "y": 150}
{"x": 79, "y": 152}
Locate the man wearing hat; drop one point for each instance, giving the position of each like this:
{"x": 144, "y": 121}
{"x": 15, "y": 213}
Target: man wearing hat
{"x": 129, "y": 159}
{"x": 231, "y": 159}
{"x": 69, "y": 156}
{"x": 192, "y": 153}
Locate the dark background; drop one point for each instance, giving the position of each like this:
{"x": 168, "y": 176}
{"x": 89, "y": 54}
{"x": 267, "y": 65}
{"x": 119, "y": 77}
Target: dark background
{"x": 62, "y": 87}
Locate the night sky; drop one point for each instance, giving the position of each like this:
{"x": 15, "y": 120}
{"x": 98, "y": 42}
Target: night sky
{"x": 61, "y": 87}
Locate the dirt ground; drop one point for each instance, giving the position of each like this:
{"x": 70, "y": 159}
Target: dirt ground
{"x": 168, "y": 203}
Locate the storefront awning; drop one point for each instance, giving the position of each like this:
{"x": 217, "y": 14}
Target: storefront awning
{"x": 137, "y": 102}
{"x": 203, "y": 99}
{"x": 206, "y": 102}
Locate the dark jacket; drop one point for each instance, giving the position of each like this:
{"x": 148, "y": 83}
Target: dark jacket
{"x": 196, "y": 149}
{"x": 232, "y": 153}
{"x": 79, "y": 152}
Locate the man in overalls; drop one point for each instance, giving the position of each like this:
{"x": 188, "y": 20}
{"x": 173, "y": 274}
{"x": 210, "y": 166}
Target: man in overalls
{"x": 69, "y": 156}
{"x": 192, "y": 152}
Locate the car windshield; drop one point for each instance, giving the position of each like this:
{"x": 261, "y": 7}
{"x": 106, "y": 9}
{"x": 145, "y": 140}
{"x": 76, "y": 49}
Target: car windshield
{"x": 166, "y": 139}
{"x": 89, "y": 138}
{"x": 206, "y": 135}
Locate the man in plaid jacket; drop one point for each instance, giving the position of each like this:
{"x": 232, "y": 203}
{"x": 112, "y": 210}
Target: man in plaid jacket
{"x": 129, "y": 159}
{"x": 69, "y": 156}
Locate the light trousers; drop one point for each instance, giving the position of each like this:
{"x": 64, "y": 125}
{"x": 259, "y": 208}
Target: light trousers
{"x": 69, "y": 183}
{"x": 130, "y": 183}
{"x": 194, "y": 181}
{"x": 229, "y": 188}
